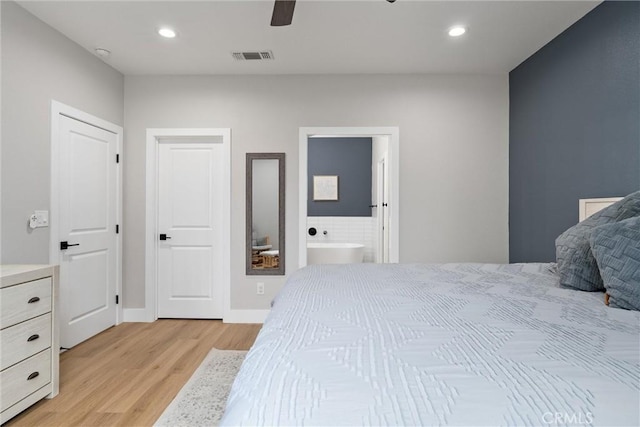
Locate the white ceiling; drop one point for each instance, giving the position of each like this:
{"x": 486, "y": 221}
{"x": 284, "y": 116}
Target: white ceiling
{"x": 326, "y": 37}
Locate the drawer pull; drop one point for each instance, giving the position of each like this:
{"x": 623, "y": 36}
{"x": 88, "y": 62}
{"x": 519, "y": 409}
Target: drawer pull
{"x": 33, "y": 375}
{"x": 33, "y": 337}
{"x": 34, "y": 299}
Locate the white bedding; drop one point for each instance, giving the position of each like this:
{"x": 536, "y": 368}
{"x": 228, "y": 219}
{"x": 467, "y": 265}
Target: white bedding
{"x": 455, "y": 344}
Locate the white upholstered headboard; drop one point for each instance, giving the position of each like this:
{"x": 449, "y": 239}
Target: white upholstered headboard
{"x": 588, "y": 207}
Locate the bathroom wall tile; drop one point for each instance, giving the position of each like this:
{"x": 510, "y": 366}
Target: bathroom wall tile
{"x": 346, "y": 230}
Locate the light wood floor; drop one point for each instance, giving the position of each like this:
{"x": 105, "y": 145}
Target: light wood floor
{"x": 128, "y": 375}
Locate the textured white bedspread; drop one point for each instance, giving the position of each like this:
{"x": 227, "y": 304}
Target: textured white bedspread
{"x": 456, "y": 344}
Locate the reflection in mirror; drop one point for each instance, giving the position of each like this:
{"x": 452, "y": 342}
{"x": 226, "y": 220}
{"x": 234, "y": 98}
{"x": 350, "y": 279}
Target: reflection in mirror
{"x": 265, "y": 213}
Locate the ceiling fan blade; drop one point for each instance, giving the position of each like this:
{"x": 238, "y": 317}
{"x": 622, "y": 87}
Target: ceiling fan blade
{"x": 282, "y": 13}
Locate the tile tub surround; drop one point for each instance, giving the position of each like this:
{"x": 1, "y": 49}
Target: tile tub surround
{"x": 343, "y": 229}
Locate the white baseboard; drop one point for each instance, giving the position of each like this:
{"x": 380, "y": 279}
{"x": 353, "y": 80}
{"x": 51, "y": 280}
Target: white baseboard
{"x": 136, "y": 315}
{"x": 246, "y": 316}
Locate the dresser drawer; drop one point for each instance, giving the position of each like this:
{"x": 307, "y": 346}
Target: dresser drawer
{"x": 15, "y": 381}
{"x": 25, "y": 301}
{"x": 24, "y": 339}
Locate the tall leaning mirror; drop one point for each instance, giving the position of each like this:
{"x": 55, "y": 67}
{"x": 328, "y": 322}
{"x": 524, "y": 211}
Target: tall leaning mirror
{"x": 265, "y": 214}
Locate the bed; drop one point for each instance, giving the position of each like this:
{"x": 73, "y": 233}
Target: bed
{"x": 454, "y": 344}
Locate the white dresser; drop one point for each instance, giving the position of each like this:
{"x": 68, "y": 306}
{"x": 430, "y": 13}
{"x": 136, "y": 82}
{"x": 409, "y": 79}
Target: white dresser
{"x": 29, "y": 344}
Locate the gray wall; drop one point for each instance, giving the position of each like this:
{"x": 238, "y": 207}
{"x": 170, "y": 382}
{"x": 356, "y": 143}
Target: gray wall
{"x": 453, "y": 146}
{"x": 453, "y": 156}
{"x": 350, "y": 160}
{"x": 574, "y": 126}
{"x": 40, "y": 64}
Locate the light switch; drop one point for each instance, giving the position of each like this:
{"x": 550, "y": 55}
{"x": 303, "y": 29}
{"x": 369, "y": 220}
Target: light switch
{"x": 39, "y": 219}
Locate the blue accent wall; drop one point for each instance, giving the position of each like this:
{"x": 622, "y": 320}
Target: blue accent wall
{"x": 574, "y": 121}
{"x": 350, "y": 159}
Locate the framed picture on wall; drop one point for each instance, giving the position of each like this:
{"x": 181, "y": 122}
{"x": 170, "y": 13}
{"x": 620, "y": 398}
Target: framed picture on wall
{"x": 325, "y": 187}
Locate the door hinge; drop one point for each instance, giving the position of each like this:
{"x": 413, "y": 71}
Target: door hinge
{"x": 117, "y": 158}
{"x": 117, "y": 228}
{"x": 117, "y": 299}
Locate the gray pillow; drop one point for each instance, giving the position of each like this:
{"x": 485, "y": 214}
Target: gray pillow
{"x": 616, "y": 248}
{"x": 576, "y": 266}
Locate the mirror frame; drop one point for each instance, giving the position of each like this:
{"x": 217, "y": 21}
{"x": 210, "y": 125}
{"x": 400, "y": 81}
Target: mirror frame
{"x": 281, "y": 213}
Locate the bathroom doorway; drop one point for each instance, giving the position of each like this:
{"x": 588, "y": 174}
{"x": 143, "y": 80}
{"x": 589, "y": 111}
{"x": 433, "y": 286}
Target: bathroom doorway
{"x": 347, "y": 216}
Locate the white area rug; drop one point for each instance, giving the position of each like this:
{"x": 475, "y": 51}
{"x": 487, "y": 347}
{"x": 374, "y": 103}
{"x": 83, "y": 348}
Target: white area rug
{"x": 202, "y": 400}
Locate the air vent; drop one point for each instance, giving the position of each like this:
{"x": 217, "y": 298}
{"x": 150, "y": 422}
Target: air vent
{"x": 252, "y": 56}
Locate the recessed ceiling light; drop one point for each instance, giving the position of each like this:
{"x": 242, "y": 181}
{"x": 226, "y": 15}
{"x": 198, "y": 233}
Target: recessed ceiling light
{"x": 101, "y": 52}
{"x": 167, "y": 32}
{"x": 457, "y": 31}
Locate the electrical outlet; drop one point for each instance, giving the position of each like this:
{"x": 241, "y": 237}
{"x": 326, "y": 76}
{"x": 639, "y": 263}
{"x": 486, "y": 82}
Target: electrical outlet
{"x": 260, "y": 288}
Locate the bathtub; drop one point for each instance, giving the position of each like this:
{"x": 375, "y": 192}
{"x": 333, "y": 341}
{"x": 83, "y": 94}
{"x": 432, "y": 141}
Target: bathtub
{"x": 334, "y": 253}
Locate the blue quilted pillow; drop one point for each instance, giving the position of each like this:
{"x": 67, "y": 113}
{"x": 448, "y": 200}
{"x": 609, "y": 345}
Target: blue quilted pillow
{"x": 577, "y": 267}
{"x": 616, "y": 248}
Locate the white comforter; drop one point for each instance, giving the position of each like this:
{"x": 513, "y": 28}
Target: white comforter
{"x": 456, "y": 344}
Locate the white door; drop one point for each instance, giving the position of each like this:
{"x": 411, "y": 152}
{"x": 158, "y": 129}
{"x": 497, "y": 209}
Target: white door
{"x": 190, "y": 202}
{"x": 88, "y": 206}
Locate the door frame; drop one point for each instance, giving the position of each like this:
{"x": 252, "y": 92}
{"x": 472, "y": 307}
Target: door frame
{"x": 393, "y": 166}
{"x": 59, "y": 109}
{"x": 381, "y": 177}
{"x": 154, "y": 135}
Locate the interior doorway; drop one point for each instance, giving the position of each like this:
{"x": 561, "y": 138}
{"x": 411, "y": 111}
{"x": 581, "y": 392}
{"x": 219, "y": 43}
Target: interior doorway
{"x": 188, "y": 223}
{"x": 384, "y": 192}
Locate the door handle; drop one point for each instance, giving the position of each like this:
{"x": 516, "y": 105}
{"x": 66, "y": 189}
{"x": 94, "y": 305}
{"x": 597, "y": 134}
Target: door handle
{"x": 64, "y": 245}
{"x": 164, "y": 237}
{"x": 33, "y": 337}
